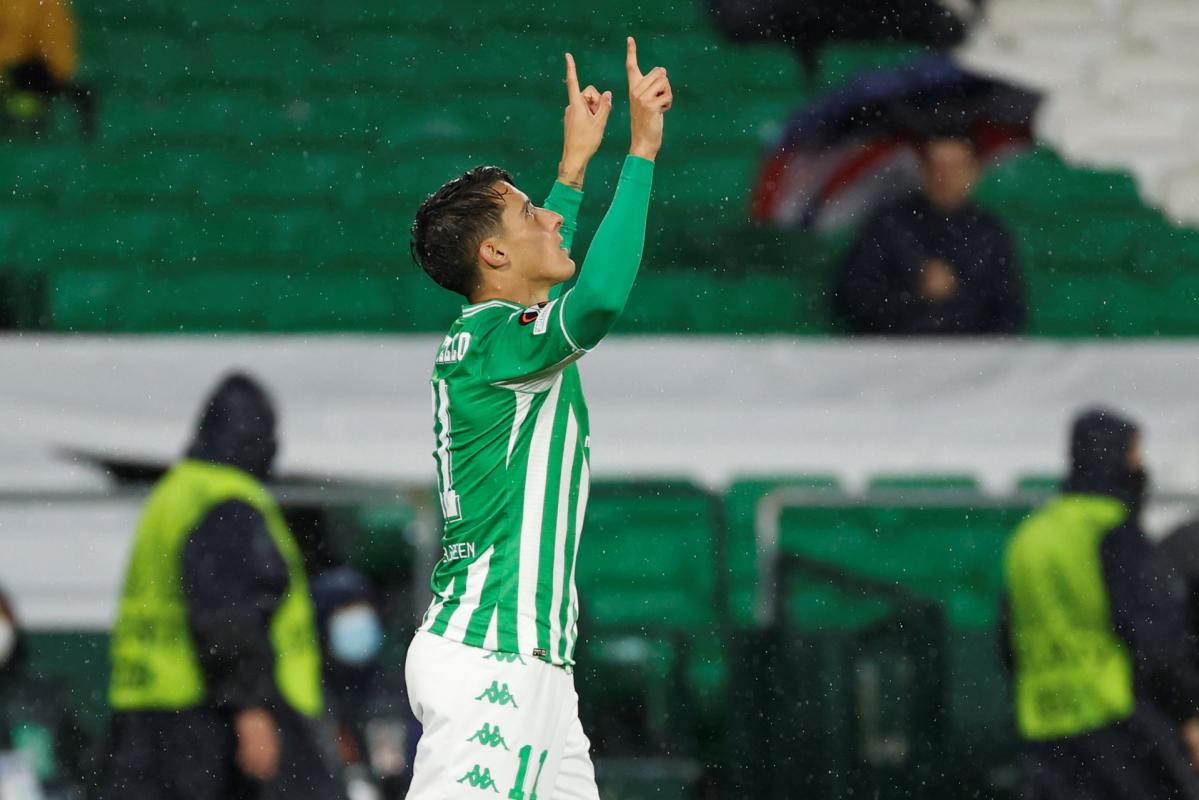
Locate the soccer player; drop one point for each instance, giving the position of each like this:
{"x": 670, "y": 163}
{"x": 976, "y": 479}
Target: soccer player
{"x": 490, "y": 672}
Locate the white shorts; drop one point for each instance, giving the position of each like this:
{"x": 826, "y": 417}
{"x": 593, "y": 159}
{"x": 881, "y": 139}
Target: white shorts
{"x": 494, "y": 724}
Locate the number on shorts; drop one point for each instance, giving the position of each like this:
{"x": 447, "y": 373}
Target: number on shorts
{"x": 518, "y": 791}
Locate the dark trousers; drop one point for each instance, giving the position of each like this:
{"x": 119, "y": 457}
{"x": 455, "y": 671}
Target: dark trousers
{"x": 173, "y": 755}
{"x": 189, "y": 755}
{"x": 1140, "y": 758}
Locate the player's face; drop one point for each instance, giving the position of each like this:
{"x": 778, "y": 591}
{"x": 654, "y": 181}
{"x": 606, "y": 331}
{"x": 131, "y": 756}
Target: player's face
{"x": 533, "y": 239}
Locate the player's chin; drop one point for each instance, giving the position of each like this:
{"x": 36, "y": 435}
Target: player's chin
{"x": 566, "y": 268}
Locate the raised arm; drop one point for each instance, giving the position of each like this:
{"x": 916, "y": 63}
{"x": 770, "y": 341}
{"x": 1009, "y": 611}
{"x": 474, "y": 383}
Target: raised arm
{"x": 591, "y": 308}
{"x": 583, "y": 125}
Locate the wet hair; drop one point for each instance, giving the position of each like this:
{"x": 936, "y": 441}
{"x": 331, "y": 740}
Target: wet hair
{"x": 452, "y": 222}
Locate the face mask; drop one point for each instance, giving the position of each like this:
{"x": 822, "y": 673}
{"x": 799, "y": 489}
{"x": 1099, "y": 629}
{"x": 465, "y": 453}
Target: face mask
{"x": 8, "y": 641}
{"x": 1137, "y": 485}
{"x": 355, "y": 635}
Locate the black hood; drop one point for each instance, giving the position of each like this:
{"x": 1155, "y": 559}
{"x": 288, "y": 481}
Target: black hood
{"x": 20, "y": 654}
{"x": 237, "y": 427}
{"x": 1099, "y": 446}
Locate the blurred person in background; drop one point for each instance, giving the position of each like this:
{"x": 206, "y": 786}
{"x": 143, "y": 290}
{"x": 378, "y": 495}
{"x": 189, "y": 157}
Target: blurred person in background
{"x": 1106, "y": 695}
{"x": 934, "y": 262}
{"x": 38, "y": 63}
{"x": 216, "y": 663}
{"x": 372, "y": 722}
{"x": 1180, "y": 553}
{"x": 37, "y": 720}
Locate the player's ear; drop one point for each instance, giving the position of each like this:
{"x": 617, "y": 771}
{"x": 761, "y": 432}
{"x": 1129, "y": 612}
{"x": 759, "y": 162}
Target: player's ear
{"x": 493, "y": 254}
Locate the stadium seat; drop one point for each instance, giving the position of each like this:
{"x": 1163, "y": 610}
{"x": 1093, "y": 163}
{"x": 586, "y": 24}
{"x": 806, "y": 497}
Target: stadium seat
{"x": 190, "y": 123}
{"x": 254, "y": 238}
{"x": 1105, "y": 138}
{"x": 264, "y": 16}
{"x": 1065, "y": 19}
{"x": 741, "y": 506}
{"x": 122, "y": 15}
{"x": 643, "y": 600}
{"x": 923, "y": 482}
{"x": 207, "y": 301}
{"x": 89, "y": 300}
{"x": 274, "y": 64}
{"x": 631, "y": 585}
{"x": 1039, "y": 484}
{"x": 1164, "y": 25}
{"x": 320, "y": 302}
{"x": 1144, "y": 77}
{"x": 959, "y": 564}
{"x": 104, "y": 237}
{"x": 277, "y": 179}
{"x": 1039, "y": 70}
{"x": 148, "y": 61}
{"x": 1182, "y": 195}
{"x": 158, "y": 179}
{"x": 348, "y": 19}
{"x": 1066, "y": 307}
{"x": 378, "y": 60}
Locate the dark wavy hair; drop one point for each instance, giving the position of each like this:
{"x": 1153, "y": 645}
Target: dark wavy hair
{"x": 452, "y": 222}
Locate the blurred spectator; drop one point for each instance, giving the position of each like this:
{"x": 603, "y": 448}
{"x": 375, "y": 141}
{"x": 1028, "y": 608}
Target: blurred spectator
{"x": 372, "y": 719}
{"x": 36, "y": 717}
{"x": 934, "y": 262}
{"x": 216, "y": 666}
{"x": 38, "y": 62}
{"x": 1180, "y": 553}
{"x": 1106, "y": 696}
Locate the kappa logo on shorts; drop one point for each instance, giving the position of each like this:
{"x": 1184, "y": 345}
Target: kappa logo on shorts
{"x": 479, "y": 779}
{"x": 489, "y": 737}
{"x": 504, "y": 658}
{"x": 497, "y": 695}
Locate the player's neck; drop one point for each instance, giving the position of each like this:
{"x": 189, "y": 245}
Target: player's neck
{"x": 522, "y": 295}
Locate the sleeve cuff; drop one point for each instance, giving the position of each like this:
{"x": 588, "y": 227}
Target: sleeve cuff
{"x": 564, "y": 199}
{"x": 638, "y": 169}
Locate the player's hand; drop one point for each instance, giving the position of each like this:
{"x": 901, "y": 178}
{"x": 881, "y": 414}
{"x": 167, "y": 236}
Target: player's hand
{"x": 587, "y": 113}
{"x": 650, "y": 97}
{"x": 257, "y": 743}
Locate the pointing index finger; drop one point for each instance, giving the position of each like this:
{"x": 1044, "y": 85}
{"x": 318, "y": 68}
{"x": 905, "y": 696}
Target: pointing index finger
{"x": 572, "y": 78}
{"x": 630, "y": 61}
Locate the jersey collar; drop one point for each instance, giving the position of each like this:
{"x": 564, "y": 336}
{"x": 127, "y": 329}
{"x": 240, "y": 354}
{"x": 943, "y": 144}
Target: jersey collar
{"x": 489, "y": 303}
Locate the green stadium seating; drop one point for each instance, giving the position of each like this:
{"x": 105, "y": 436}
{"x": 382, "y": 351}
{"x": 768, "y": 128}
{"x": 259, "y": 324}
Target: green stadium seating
{"x": 647, "y": 598}
{"x": 144, "y": 60}
{"x": 674, "y": 581}
{"x": 88, "y": 300}
{"x": 341, "y": 118}
{"x": 274, "y": 64}
{"x": 1039, "y": 483}
{"x": 244, "y": 15}
{"x": 112, "y": 237}
{"x": 953, "y": 482}
{"x": 249, "y": 238}
{"x": 34, "y": 176}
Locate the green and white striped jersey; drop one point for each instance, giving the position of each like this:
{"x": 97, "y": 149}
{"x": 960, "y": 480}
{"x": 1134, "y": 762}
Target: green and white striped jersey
{"x": 512, "y": 451}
